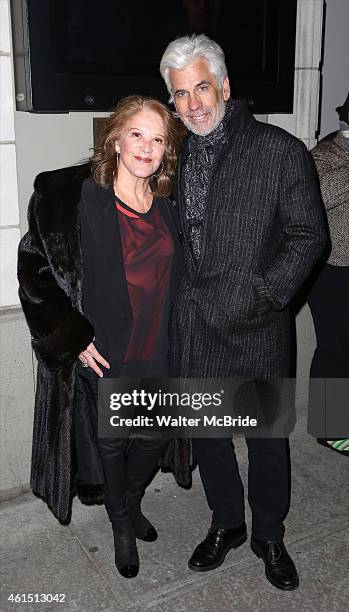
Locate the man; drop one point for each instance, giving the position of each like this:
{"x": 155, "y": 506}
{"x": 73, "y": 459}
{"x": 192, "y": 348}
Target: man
{"x": 253, "y": 228}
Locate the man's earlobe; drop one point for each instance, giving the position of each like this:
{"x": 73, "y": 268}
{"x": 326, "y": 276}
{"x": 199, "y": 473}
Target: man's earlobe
{"x": 226, "y": 89}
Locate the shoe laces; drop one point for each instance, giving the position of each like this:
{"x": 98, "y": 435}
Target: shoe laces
{"x": 214, "y": 538}
{"x": 274, "y": 550}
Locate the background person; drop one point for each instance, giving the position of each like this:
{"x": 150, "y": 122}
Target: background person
{"x": 329, "y": 295}
{"x": 98, "y": 270}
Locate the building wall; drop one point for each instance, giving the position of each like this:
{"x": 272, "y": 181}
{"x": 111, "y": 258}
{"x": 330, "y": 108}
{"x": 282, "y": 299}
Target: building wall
{"x": 43, "y": 142}
{"x": 335, "y": 73}
{"x": 47, "y": 142}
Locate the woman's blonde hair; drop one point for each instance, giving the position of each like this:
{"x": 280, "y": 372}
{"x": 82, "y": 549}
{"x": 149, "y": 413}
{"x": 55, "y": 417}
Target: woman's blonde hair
{"x": 104, "y": 160}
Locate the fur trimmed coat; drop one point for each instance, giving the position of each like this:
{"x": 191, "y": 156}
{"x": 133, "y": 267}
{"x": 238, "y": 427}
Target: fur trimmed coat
{"x": 50, "y": 274}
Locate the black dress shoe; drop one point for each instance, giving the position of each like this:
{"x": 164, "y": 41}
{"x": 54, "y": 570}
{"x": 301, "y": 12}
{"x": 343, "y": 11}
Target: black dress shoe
{"x": 212, "y": 551}
{"x": 144, "y": 530}
{"x": 279, "y": 567}
{"x": 126, "y": 553}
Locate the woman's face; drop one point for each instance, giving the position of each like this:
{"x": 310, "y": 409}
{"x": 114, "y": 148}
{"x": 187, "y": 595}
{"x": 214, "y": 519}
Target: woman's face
{"x": 141, "y": 145}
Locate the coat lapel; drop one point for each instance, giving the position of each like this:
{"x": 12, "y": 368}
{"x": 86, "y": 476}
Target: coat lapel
{"x": 180, "y": 206}
{"x": 102, "y": 218}
{"x": 168, "y": 212}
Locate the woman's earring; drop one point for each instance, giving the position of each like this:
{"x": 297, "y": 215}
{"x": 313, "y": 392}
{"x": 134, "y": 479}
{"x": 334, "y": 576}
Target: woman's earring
{"x": 117, "y": 158}
{"x": 161, "y": 171}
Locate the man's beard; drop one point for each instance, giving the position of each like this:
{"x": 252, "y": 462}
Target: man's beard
{"x": 219, "y": 116}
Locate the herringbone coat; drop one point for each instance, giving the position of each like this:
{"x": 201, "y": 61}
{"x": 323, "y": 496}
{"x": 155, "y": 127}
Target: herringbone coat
{"x": 262, "y": 233}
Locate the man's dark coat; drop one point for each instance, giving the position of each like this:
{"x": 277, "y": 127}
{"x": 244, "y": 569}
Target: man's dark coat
{"x": 262, "y": 233}
{"x": 51, "y": 280}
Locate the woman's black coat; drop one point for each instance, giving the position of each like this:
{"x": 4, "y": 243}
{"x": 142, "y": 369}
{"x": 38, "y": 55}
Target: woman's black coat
{"x": 50, "y": 274}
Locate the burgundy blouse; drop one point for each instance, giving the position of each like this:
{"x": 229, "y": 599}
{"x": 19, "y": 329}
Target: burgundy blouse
{"x": 148, "y": 250}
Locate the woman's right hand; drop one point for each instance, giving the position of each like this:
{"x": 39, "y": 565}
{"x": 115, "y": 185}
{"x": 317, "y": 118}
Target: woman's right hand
{"x": 91, "y": 356}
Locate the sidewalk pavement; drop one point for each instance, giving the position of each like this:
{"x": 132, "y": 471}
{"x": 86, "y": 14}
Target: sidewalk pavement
{"x": 38, "y": 555}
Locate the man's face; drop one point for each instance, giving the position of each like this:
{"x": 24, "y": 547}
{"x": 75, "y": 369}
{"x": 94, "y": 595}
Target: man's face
{"x": 199, "y": 101}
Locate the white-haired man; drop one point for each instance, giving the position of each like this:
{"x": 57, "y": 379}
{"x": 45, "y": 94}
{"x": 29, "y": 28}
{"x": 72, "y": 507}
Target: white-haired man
{"x": 253, "y": 228}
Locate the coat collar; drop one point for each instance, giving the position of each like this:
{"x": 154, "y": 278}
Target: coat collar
{"x": 102, "y": 201}
{"x": 236, "y": 118}
{"x": 61, "y": 195}
{"x": 100, "y": 212}
{"x": 235, "y": 122}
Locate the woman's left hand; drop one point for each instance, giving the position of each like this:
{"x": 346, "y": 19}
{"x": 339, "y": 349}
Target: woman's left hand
{"x": 91, "y": 356}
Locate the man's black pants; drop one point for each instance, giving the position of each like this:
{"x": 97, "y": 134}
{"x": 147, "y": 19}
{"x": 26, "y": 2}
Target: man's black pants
{"x": 268, "y": 483}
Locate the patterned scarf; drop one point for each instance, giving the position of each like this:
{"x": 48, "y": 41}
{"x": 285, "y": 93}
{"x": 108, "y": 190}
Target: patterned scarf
{"x": 197, "y": 172}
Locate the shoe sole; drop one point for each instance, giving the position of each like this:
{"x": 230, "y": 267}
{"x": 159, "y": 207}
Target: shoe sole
{"x": 146, "y": 539}
{"x": 236, "y": 544}
{"x": 131, "y": 575}
{"x": 277, "y": 586}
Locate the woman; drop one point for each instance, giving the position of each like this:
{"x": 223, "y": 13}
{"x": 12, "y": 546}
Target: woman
{"x": 98, "y": 270}
{"x": 329, "y": 295}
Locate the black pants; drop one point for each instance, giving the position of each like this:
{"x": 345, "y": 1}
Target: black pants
{"x": 128, "y": 467}
{"x": 268, "y": 483}
{"x": 329, "y": 305}
{"x": 127, "y": 464}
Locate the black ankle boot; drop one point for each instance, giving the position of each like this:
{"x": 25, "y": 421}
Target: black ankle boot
{"x": 126, "y": 553}
{"x": 144, "y": 530}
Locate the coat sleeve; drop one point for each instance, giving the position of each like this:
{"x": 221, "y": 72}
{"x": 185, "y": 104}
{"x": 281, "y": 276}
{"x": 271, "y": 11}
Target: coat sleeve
{"x": 333, "y": 177}
{"x": 303, "y": 230}
{"x": 59, "y": 331}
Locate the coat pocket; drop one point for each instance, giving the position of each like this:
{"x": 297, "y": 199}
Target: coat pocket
{"x": 264, "y": 300}
{"x": 244, "y": 299}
